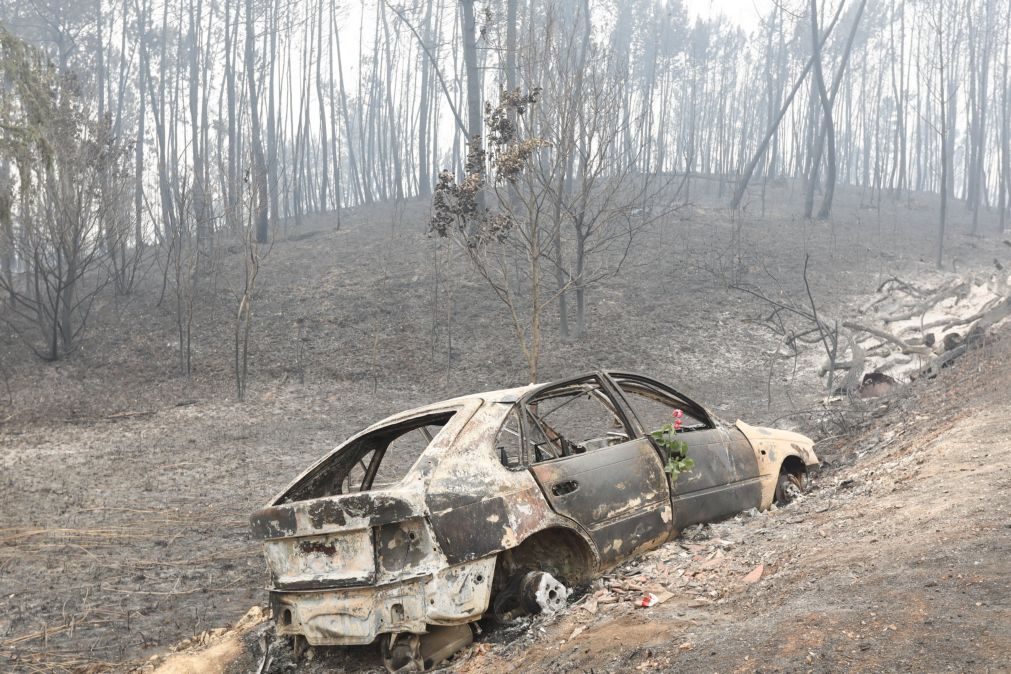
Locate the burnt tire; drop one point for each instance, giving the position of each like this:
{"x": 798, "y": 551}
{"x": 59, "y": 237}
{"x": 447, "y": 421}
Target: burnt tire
{"x": 529, "y": 593}
{"x": 789, "y": 487}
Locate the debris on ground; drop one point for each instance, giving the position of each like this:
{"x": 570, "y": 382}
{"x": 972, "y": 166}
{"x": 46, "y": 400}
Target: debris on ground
{"x": 821, "y": 570}
{"x": 209, "y": 652}
{"x": 903, "y": 332}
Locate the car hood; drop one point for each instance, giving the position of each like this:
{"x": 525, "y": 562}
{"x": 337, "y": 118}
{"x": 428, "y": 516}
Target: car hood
{"x": 762, "y": 437}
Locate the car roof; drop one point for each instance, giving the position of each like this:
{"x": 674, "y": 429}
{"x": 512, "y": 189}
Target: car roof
{"x": 505, "y": 395}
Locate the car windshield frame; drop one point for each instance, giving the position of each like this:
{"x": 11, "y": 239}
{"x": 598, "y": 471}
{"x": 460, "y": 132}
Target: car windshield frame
{"x": 687, "y": 404}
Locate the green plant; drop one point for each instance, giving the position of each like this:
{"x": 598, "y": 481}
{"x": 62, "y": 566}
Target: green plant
{"x": 675, "y": 449}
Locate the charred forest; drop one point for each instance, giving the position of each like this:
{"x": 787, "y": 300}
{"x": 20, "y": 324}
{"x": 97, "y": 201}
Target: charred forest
{"x": 147, "y": 140}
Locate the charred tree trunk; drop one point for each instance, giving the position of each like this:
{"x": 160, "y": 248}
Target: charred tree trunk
{"x": 475, "y": 131}
{"x": 749, "y": 170}
{"x": 259, "y": 169}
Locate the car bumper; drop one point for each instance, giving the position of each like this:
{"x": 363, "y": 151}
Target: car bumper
{"x": 354, "y": 616}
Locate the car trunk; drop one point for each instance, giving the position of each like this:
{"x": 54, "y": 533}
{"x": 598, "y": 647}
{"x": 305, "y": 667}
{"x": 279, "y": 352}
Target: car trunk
{"x": 329, "y": 542}
{"x": 350, "y": 520}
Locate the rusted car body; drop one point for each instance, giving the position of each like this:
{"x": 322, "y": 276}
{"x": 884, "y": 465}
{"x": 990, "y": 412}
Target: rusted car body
{"x": 385, "y": 536}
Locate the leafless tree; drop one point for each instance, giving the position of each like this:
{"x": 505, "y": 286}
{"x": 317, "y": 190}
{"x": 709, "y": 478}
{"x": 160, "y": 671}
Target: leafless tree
{"x": 63, "y": 161}
{"x": 253, "y": 254}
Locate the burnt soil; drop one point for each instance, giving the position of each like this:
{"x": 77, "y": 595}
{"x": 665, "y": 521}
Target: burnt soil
{"x": 895, "y": 561}
{"x": 126, "y": 486}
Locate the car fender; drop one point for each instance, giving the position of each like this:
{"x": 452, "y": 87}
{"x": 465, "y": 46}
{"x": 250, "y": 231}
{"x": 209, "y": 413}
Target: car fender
{"x": 497, "y": 524}
{"x": 773, "y": 447}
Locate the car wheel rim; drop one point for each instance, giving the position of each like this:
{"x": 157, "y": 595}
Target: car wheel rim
{"x": 789, "y": 488}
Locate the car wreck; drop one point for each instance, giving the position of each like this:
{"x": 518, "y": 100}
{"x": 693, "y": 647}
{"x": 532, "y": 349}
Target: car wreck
{"x": 497, "y": 503}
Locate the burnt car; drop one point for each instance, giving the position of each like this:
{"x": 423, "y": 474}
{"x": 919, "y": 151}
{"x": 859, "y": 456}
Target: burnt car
{"x": 497, "y": 503}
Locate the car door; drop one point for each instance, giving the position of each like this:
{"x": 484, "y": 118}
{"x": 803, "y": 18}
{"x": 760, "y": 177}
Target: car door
{"x": 724, "y": 479}
{"x": 593, "y": 469}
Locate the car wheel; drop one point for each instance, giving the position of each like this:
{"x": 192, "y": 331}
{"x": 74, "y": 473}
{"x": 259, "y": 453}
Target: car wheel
{"x": 789, "y": 487}
{"x": 530, "y": 593}
{"x": 401, "y": 652}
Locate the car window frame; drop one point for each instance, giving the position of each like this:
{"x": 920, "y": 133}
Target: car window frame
{"x": 514, "y": 408}
{"x": 689, "y": 405}
{"x": 605, "y": 386}
{"x": 402, "y": 419}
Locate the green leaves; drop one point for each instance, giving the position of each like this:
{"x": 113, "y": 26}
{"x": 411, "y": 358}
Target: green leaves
{"x": 675, "y": 451}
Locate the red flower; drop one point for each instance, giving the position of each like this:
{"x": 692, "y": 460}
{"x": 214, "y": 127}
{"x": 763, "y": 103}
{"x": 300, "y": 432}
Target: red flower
{"x": 677, "y": 414}
{"x": 677, "y": 424}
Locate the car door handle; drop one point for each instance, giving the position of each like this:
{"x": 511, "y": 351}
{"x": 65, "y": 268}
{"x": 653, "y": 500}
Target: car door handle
{"x": 563, "y": 488}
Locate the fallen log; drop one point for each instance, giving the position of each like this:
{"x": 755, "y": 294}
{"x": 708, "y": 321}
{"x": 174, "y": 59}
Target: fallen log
{"x": 999, "y": 308}
{"x": 855, "y": 375}
{"x": 934, "y": 367}
{"x": 888, "y": 337}
{"x": 995, "y": 315}
{"x": 958, "y": 290}
{"x": 895, "y": 281}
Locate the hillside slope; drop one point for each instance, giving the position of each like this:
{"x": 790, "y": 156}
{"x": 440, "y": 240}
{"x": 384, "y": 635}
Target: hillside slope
{"x": 127, "y": 485}
{"x": 895, "y": 561}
